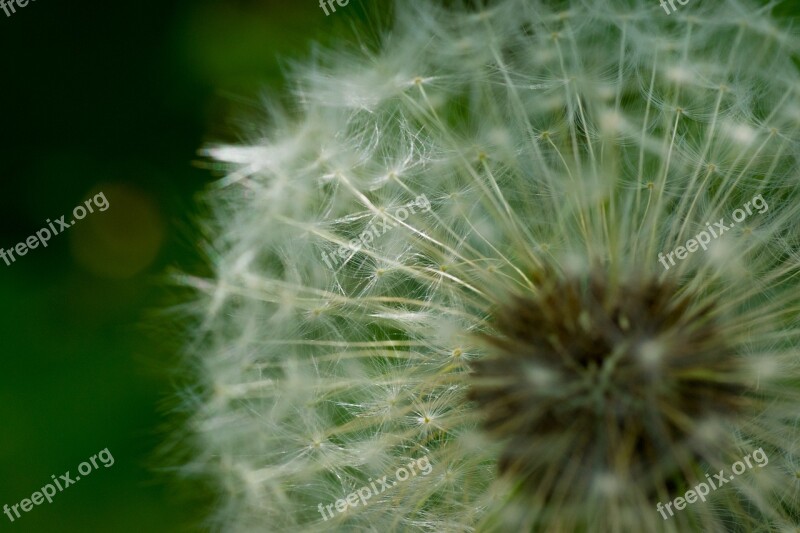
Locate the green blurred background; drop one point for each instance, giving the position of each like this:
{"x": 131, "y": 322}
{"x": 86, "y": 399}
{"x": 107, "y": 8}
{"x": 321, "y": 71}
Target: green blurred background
{"x": 113, "y": 97}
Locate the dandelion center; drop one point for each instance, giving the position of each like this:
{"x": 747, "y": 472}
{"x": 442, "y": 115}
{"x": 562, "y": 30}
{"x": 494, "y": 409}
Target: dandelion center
{"x": 594, "y": 379}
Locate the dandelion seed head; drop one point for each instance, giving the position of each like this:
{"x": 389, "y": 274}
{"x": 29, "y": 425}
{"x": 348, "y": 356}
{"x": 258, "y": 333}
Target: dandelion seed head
{"x": 447, "y": 247}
